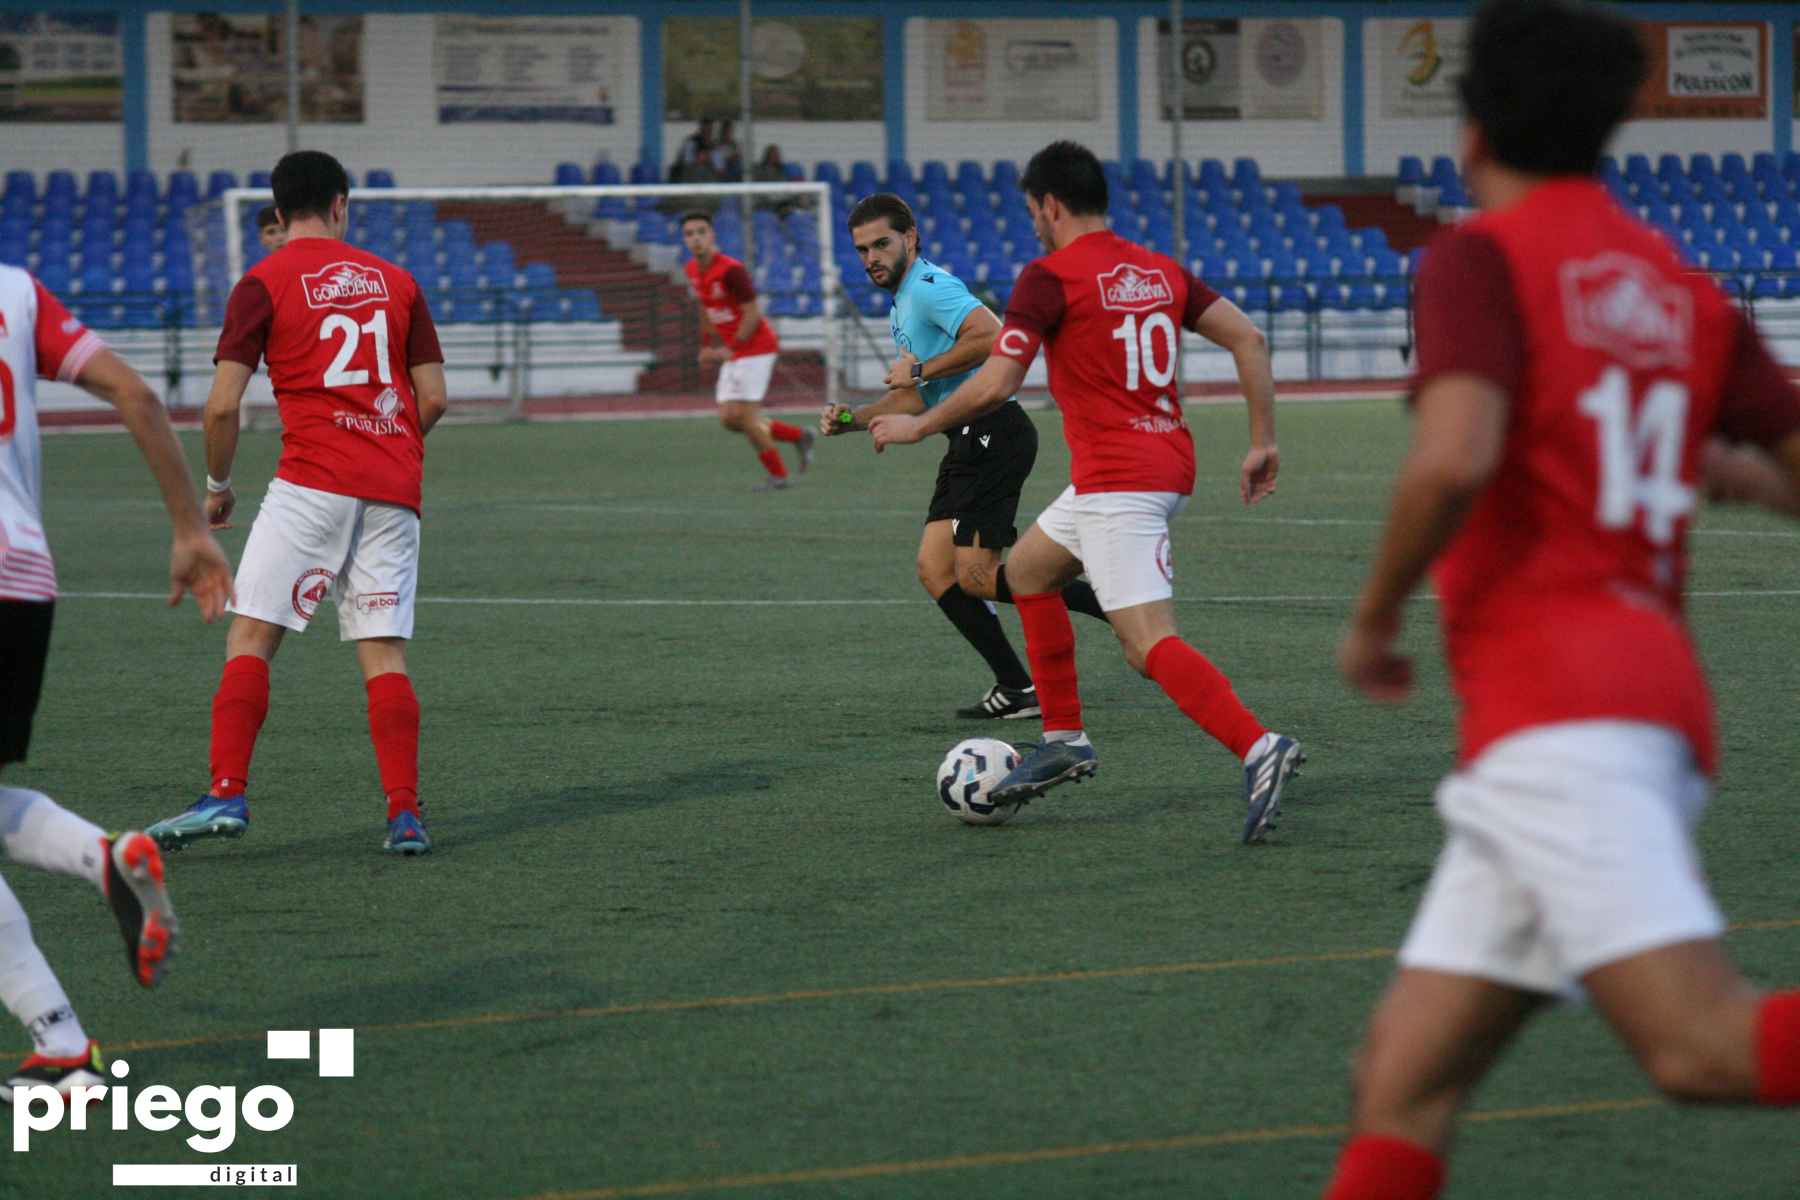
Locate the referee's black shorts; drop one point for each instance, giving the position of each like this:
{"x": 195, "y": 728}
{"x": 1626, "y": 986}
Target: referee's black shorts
{"x": 24, "y": 645}
{"x": 983, "y": 472}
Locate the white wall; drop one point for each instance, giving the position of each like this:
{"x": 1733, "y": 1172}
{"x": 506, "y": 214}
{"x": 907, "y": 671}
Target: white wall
{"x": 400, "y": 130}
{"x": 1281, "y": 148}
{"x": 77, "y": 147}
{"x": 1385, "y": 140}
{"x": 804, "y": 142}
{"x": 986, "y": 141}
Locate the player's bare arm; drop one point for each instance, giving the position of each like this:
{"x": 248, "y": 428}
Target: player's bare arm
{"x": 196, "y": 563}
{"x": 712, "y": 342}
{"x": 981, "y": 393}
{"x": 219, "y": 419}
{"x": 1226, "y": 326}
{"x": 1459, "y": 433}
{"x": 432, "y": 392}
{"x": 904, "y": 400}
{"x": 1742, "y": 474}
{"x": 974, "y": 342}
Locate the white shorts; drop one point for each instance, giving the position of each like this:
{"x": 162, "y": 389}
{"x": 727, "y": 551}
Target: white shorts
{"x": 1570, "y": 846}
{"x": 307, "y": 545}
{"x": 745, "y": 378}
{"x": 1122, "y": 540}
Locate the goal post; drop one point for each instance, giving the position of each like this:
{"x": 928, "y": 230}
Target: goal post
{"x": 558, "y": 300}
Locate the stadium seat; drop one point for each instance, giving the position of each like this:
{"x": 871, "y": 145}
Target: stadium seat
{"x": 569, "y": 174}
{"x": 257, "y": 179}
{"x": 605, "y": 174}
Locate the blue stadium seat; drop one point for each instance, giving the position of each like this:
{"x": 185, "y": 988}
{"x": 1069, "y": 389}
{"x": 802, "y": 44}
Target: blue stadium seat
{"x": 863, "y": 179}
{"x": 569, "y": 174}
{"x": 183, "y": 185}
{"x": 378, "y": 177}
{"x": 257, "y": 179}
{"x": 216, "y": 183}
{"x": 646, "y": 172}
{"x": 825, "y": 171}
{"x": 605, "y": 174}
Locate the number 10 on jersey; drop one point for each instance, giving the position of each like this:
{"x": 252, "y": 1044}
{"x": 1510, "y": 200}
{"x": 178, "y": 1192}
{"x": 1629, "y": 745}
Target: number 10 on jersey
{"x": 1140, "y": 349}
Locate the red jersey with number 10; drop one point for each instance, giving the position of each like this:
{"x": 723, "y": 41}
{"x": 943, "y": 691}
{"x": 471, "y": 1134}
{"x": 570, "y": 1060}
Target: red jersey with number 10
{"x": 341, "y": 330}
{"x": 1562, "y": 590}
{"x": 723, "y": 290}
{"x": 1110, "y": 313}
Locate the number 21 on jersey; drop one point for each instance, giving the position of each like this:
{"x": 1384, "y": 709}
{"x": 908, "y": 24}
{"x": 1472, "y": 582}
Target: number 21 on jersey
{"x": 339, "y": 374}
{"x": 1640, "y": 462}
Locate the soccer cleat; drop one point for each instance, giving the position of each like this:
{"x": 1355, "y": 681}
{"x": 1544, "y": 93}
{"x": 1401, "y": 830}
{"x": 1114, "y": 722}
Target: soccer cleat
{"x": 87, "y": 1069}
{"x": 803, "y": 449}
{"x": 1264, "y": 777}
{"x": 1044, "y": 766}
{"x": 406, "y": 835}
{"x": 773, "y": 483}
{"x": 134, "y": 888}
{"x": 1002, "y": 704}
{"x": 209, "y": 816}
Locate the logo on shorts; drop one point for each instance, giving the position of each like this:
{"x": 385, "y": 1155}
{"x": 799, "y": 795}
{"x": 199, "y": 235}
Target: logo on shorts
{"x": 343, "y": 285}
{"x": 1165, "y": 561}
{"x": 1131, "y": 288}
{"x": 310, "y": 589}
{"x": 371, "y": 603}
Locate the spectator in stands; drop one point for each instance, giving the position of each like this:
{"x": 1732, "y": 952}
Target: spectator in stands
{"x": 727, "y": 159}
{"x": 269, "y": 229}
{"x": 694, "y": 163}
{"x": 771, "y": 169}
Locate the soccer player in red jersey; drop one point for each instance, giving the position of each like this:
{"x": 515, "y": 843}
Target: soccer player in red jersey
{"x": 730, "y": 310}
{"x": 39, "y": 339}
{"x": 359, "y": 379}
{"x": 1110, "y": 313}
{"x": 1570, "y": 372}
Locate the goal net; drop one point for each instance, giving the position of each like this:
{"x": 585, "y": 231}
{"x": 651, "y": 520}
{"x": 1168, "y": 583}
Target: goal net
{"x": 563, "y": 301}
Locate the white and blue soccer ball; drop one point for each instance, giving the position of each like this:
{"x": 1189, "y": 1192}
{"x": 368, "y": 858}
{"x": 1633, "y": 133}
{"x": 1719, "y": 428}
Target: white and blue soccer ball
{"x": 968, "y": 776}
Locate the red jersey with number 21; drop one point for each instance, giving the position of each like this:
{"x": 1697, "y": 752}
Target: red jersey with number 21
{"x": 1562, "y": 590}
{"x": 341, "y": 330}
{"x": 1109, "y": 312}
{"x": 723, "y": 290}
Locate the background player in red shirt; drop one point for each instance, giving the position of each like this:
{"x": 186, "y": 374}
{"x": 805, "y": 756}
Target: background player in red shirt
{"x": 746, "y": 356}
{"x": 39, "y": 339}
{"x": 1109, "y": 312}
{"x": 1570, "y": 370}
{"x": 359, "y": 379}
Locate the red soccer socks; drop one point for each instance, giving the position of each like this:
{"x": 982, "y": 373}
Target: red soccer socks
{"x": 1373, "y": 1167}
{"x": 1201, "y": 690}
{"x": 781, "y": 431}
{"x": 771, "y": 461}
{"x": 1778, "y": 1049}
{"x": 238, "y": 710}
{"x": 394, "y": 729}
{"x": 1050, "y": 648}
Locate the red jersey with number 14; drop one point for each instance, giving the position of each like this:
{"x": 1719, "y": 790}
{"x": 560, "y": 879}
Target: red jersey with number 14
{"x": 723, "y": 290}
{"x": 1110, "y": 313}
{"x": 1562, "y": 591}
{"x": 341, "y": 330}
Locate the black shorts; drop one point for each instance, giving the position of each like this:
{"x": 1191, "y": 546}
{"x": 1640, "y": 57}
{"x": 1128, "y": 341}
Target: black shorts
{"x": 983, "y": 472}
{"x": 24, "y": 645}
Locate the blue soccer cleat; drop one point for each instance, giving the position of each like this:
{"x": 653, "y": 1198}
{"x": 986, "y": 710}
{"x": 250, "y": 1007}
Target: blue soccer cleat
{"x": 1044, "y": 766}
{"x": 1264, "y": 777}
{"x": 406, "y": 835}
{"x": 209, "y": 816}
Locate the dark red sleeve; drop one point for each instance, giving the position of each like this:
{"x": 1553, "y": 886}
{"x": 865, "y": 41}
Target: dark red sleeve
{"x": 1466, "y": 317}
{"x": 247, "y": 316}
{"x": 421, "y": 338}
{"x": 1032, "y": 312}
{"x": 64, "y": 345}
{"x": 738, "y": 285}
{"x": 1760, "y": 403}
{"x": 1199, "y": 299}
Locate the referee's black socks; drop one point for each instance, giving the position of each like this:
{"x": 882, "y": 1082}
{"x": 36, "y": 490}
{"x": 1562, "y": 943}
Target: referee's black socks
{"x": 977, "y": 622}
{"x": 1079, "y": 596}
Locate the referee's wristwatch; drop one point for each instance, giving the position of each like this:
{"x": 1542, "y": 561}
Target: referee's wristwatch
{"x": 918, "y": 373}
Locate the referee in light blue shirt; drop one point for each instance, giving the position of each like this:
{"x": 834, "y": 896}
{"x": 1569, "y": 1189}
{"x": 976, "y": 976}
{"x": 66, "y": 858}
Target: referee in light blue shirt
{"x": 943, "y": 334}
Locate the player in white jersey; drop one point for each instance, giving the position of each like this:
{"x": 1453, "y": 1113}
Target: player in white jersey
{"x": 38, "y": 338}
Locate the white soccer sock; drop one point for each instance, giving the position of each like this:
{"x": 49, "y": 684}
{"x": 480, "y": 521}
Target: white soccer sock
{"x": 1262, "y": 746}
{"x": 29, "y": 988}
{"x": 1075, "y": 737}
{"x": 37, "y": 831}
